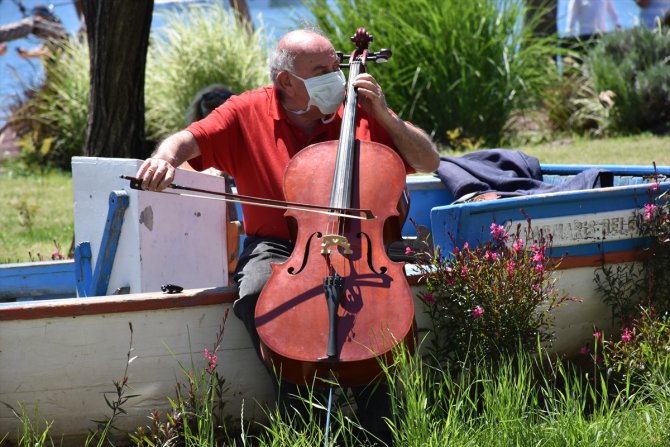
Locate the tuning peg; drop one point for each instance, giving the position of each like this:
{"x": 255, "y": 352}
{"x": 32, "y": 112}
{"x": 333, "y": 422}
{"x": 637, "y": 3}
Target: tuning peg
{"x": 383, "y": 55}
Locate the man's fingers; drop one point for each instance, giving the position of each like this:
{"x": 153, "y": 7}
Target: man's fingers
{"x": 168, "y": 177}
{"x": 156, "y": 174}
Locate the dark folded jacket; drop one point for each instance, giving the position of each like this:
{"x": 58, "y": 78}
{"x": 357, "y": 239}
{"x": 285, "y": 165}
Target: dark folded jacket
{"x": 509, "y": 173}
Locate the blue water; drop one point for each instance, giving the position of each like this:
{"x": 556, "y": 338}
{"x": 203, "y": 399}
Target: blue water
{"x": 17, "y": 73}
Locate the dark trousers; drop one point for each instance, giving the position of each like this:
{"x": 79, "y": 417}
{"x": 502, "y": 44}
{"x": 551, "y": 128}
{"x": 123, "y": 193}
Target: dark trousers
{"x": 252, "y": 273}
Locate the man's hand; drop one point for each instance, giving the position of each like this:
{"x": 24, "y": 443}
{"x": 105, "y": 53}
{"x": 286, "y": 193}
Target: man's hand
{"x": 413, "y": 144}
{"x": 370, "y": 95}
{"x": 156, "y": 174}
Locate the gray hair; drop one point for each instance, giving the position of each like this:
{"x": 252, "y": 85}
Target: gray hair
{"x": 281, "y": 59}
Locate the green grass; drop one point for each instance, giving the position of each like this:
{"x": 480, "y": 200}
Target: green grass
{"x": 35, "y": 210}
{"x": 633, "y": 150}
{"x": 507, "y": 405}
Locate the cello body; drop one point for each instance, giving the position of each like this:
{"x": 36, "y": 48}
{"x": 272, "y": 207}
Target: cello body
{"x": 338, "y": 306}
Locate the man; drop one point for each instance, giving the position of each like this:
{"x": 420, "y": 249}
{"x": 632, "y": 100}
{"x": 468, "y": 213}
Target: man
{"x": 254, "y": 135}
{"x": 587, "y": 17}
{"x": 652, "y": 12}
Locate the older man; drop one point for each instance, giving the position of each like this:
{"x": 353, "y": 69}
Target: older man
{"x": 254, "y": 135}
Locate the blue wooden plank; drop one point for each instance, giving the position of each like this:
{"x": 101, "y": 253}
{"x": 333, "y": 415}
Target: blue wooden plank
{"x": 118, "y": 203}
{"x": 82, "y": 261}
{"x": 453, "y": 225}
{"x": 33, "y": 280}
{"x": 638, "y": 171}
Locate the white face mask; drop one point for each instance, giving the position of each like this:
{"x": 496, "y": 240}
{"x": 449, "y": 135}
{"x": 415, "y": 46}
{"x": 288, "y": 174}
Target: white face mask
{"x": 326, "y": 92}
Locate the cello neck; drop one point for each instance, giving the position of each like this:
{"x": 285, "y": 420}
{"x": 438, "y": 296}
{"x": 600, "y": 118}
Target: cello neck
{"x": 342, "y": 183}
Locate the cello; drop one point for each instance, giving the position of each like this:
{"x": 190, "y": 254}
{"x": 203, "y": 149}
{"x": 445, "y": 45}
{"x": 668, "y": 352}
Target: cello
{"x": 338, "y": 305}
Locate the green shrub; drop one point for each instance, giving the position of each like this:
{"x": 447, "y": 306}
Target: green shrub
{"x": 198, "y": 46}
{"x": 633, "y": 64}
{"x": 55, "y": 116}
{"x": 573, "y": 104}
{"x": 456, "y": 64}
{"x": 490, "y": 300}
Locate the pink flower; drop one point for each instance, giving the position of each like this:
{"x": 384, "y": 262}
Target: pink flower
{"x": 477, "y": 312}
{"x": 510, "y": 267}
{"x": 584, "y": 350}
{"x": 497, "y": 231}
{"x": 627, "y": 335}
{"x": 518, "y": 245}
{"x": 211, "y": 359}
{"x": 494, "y": 256}
{"x": 464, "y": 272}
{"x": 649, "y": 211}
{"x": 655, "y": 186}
{"x": 539, "y": 268}
{"x": 408, "y": 250}
{"x": 56, "y": 255}
{"x": 597, "y": 335}
{"x": 428, "y": 297}
{"x": 466, "y": 246}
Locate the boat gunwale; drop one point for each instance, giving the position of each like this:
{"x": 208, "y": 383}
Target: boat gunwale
{"x": 75, "y": 307}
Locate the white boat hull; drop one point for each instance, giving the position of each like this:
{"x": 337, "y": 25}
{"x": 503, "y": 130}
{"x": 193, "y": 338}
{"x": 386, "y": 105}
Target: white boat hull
{"x": 64, "y": 355}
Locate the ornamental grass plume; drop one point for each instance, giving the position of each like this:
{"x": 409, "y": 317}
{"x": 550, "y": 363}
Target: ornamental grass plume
{"x": 493, "y": 298}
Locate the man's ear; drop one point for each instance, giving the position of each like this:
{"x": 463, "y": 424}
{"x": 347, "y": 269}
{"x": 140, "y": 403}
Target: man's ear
{"x": 286, "y": 83}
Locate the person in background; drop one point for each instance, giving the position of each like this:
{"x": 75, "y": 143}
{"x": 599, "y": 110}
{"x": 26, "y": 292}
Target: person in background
{"x": 204, "y": 102}
{"x": 254, "y": 135}
{"x": 652, "y": 12}
{"x": 41, "y": 23}
{"x": 588, "y": 17}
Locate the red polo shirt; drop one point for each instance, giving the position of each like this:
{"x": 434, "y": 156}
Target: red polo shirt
{"x": 251, "y": 138}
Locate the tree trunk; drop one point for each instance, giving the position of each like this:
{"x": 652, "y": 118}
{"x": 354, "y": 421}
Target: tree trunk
{"x": 118, "y": 38}
{"x": 242, "y": 14}
{"x": 543, "y": 15}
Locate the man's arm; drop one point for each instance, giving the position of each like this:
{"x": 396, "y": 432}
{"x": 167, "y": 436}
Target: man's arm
{"x": 413, "y": 143}
{"x": 157, "y": 172}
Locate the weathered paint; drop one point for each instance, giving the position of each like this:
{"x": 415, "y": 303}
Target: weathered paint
{"x": 63, "y": 355}
{"x": 36, "y": 280}
{"x": 165, "y": 238}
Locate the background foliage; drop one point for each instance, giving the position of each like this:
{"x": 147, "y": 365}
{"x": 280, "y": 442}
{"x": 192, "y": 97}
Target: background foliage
{"x": 633, "y": 64}
{"x": 59, "y": 110}
{"x": 457, "y": 64}
{"x": 205, "y": 46}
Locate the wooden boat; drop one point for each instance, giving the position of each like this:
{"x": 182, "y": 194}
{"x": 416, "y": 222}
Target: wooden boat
{"x": 62, "y": 354}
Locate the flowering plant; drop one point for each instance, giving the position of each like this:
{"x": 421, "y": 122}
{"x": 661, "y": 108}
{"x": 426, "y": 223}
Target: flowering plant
{"x": 637, "y": 353}
{"x": 626, "y": 287}
{"x": 493, "y": 298}
{"x": 640, "y": 298}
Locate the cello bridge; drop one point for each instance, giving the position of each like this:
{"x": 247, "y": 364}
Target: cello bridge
{"x": 338, "y": 241}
